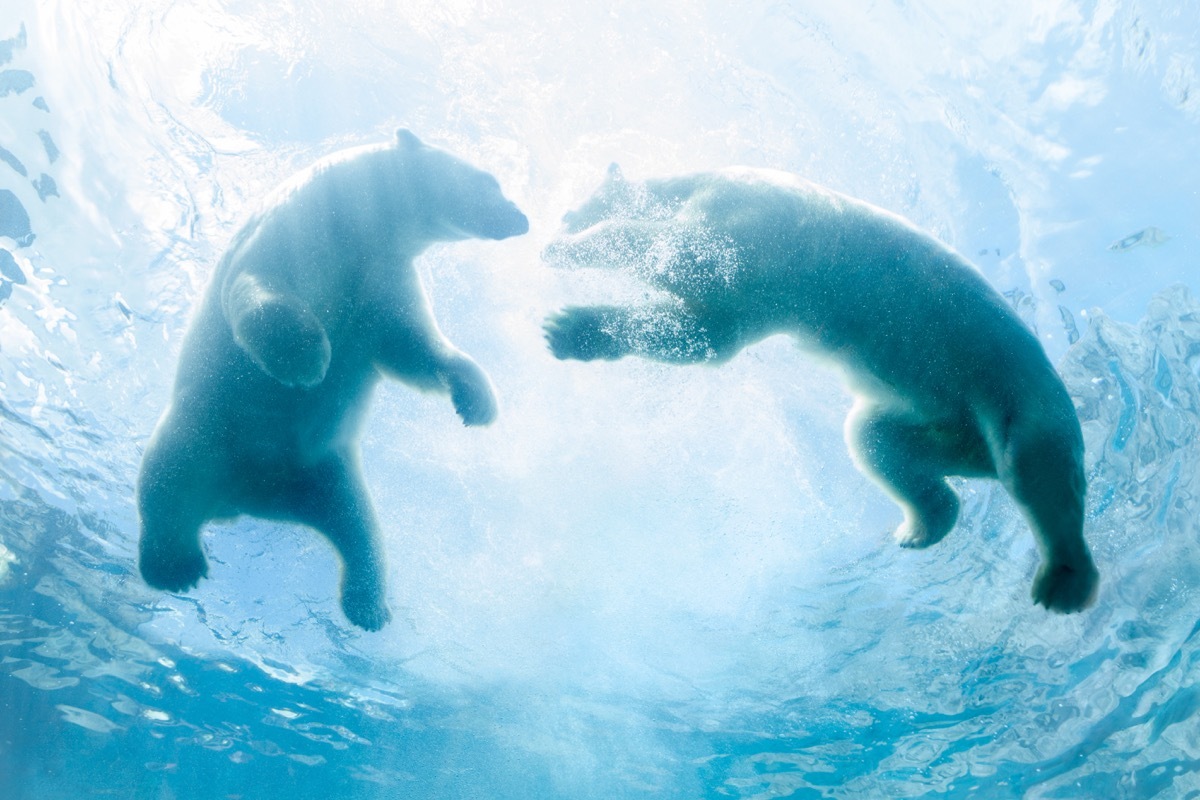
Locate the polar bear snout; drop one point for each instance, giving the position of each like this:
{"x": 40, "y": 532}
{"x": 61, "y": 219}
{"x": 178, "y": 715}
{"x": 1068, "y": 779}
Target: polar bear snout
{"x": 510, "y": 222}
{"x": 574, "y": 222}
{"x": 496, "y": 221}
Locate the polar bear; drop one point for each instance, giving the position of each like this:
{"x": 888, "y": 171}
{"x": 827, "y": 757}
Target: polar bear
{"x": 948, "y": 380}
{"x": 314, "y": 300}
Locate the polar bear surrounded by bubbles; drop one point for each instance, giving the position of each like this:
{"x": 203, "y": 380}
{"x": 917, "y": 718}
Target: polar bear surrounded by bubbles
{"x": 948, "y": 380}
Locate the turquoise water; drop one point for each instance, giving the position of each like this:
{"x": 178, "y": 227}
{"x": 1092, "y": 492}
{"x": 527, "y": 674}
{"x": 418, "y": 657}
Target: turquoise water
{"x": 642, "y": 581}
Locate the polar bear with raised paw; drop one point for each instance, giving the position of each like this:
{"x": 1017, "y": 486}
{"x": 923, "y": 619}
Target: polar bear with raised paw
{"x": 315, "y": 300}
{"x": 948, "y": 380}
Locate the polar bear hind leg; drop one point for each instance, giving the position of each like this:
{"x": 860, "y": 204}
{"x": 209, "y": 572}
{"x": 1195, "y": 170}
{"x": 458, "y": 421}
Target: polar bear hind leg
{"x": 175, "y": 498}
{"x": 910, "y": 458}
{"x": 331, "y": 498}
{"x": 1040, "y": 464}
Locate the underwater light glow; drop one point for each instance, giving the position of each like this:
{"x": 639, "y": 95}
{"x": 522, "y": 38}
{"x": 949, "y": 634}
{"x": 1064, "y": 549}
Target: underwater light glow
{"x": 641, "y": 580}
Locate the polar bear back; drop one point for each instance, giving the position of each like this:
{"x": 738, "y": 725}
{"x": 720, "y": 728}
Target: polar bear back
{"x": 853, "y": 281}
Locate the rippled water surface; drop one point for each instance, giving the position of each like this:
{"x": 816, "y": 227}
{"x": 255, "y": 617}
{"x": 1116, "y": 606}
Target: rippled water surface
{"x": 642, "y": 581}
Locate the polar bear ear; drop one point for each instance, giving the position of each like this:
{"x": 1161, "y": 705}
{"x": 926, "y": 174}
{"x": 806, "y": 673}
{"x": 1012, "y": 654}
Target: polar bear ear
{"x": 407, "y": 139}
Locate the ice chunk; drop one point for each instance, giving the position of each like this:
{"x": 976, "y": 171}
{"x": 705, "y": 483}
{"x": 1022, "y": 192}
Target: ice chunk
{"x": 14, "y": 219}
{"x": 46, "y": 187}
{"x": 1068, "y": 321}
{"x": 48, "y": 143}
{"x": 1151, "y": 237}
{"x": 7, "y": 46}
{"x": 14, "y": 162}
{"x": 14, "y": 81}
{"x": 9, "y": 268}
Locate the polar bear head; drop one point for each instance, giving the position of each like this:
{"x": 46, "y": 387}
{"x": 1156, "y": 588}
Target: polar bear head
{"x": 457, "y": 201}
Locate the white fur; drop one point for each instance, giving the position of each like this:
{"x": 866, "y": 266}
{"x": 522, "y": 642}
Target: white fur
{"x": 315, "y": 298}
{"x": 948, "y": 379}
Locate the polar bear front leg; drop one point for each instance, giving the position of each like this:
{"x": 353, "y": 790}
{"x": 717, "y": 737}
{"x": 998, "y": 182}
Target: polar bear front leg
{"x": 470, "y": 390}
{"x": 904, "y": 459}
{"x": 279, "y": 334}
{"x": 413, "y": 350}
{"x": 665, "y": 332}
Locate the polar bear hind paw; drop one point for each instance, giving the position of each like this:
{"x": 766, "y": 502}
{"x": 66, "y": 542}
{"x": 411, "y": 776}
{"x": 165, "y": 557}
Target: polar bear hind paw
{"x": 917, "y": 536}
{"x": 365, "y": 608}
{"x": 933, "y": 514}
{"x": 172, "y": 569}
{"x": 1065, "y": 587}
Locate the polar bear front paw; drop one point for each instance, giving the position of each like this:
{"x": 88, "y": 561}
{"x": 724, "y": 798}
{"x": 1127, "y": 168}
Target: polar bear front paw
{"x": 1065, "y": 587}
{"x": 286, "y": 342}
{"x": 471, "y": 393}
{"x": 583, "y": 333}
{"x": 172, "y": 569}
{"x": 365, "y": 607}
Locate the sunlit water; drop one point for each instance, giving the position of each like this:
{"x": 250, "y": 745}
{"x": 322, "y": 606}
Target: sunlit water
{"x": 642, "y": 581}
